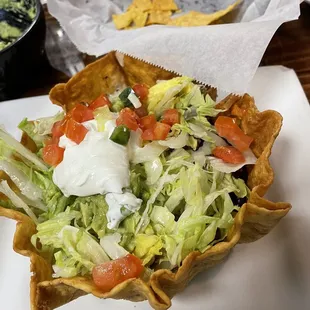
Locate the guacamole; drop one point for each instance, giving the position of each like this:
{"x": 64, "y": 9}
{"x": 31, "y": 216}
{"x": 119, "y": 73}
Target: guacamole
{"x": 17, "y": 17}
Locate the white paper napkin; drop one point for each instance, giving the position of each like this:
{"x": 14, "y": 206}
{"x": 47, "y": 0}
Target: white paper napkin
{"x": 225, "y": 56}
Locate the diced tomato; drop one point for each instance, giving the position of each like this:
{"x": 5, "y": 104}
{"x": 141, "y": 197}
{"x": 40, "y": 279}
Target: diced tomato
{"x": 161, "y": 131}
{"x": 142, "y": 111}
{"x": 227, "y": 128}
{"x": 229, "y": 154}
{"x": 53, "y": 154}
{"x": 147, "y": 122}
{"x": 148, "y": 135}
{"x": 75, "y": 131}
{"x": 107, "y": 275}
{"x": 59, "y": 128}
{"x": 128, "y": 118}
{"x": 171, "y": 117}
{"x": 53, "y": 140}
{"x": 101, "y": 101}
{"x": 158, "y": 132}
{"x": 237, "y": 111}
{"x": 80, "y": 113}
{"x": 141, "y": 91}
{"x": 48, "y": 141}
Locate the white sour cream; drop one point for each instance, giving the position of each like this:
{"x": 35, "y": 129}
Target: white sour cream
{"x": 98, "y": 166}
{"x": 65, "y": 142}
{"x": 95, "y": 166}
{"x": 120, "y": 206}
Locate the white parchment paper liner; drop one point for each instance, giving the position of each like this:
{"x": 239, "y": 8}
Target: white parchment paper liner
{"x": 225, "y": 55}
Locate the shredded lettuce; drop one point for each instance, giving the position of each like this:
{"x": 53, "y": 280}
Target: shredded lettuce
{"x": 153, "y": 170}
{"x": 43, "y": 126}
{"x": 162, "y": 95}
{"x": 149, "y": 152}
{"x": 176, "y": 142}
{"x": 110, "y": 244}
{"x": 147, "y": 246}
{"x": 162, "y": 219}
{"x": 32, "y": 178}
{"x": 11, "y": 144}
{"x": 40, "y": 129}
{"x": 200, "y": 196}
{"x": 78, "y": 252}
{"x": 200, "y": 156}
{"x": 194, "y": 182}
{"x": 29, "y": 128}
{"x": 48, "y": 231}
{"x": 16, "y": 200}
{"x": 102, "y": 115}
{"x": 175, "y": 196}
{"x": 21, "y": 180}
{"x": 196, "y": 103}
{"x": 220, "y": 165}
{"x": 166, "y": 178}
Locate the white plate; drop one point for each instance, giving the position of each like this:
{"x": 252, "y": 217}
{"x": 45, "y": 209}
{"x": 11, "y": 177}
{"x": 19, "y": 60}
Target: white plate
{"x": 271, "y": 274}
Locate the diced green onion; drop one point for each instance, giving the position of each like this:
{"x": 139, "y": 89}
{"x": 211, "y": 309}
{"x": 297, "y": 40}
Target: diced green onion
{"x": 120, "y": 135}
{"x": 124, "y": 97}
{"x": 134, "y": 100}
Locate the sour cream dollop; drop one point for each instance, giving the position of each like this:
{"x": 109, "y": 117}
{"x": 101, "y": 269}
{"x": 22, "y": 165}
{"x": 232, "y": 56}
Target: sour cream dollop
{"x": 95, "y": 166}
{"x": 120, "y": 206}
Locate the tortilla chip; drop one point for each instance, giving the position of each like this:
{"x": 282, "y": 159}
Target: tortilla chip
{"x": 122, "y": 21}
{"x": 261, "y": 216}
{"x": 209, "y": 90}
{"x": 140, "y": 72}
{"x": 143, "y": 5}
{"x": 255, "y": 218}
{"x": 227, "y": 103}
{"x": 158, "y": 17}
{"x": 164, "y": 5}
{"x": 140, "y": 18}
{"x": 102, "y": 76}
{"x": 194, "y": 18}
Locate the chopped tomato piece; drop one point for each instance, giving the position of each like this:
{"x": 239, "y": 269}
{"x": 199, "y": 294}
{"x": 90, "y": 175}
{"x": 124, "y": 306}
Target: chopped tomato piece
{"x": 171, "y": 117}
{"x": 80, "y": 113}
{"x": 229, "y": 154}
{"x": 107, "y": 275}
{"x": 147, "y": 122}
{"x": 53, "y": 154}
{"x": 227, "y": 128}
{"x": 158, "y": 132}
{"x": 59, "y": 128}
{"x": 53, "y": 140}
{"x": 148, "y": 135}
{"x": 161, "y": 131}
{"x": 128, "y": 118}
{"x": 142, "y": 111}
{"x": 101, "y": 101}
{"x": 237, "y": 111}
{"x": 141, "y": 91}
{"x": 48, "y": 141}
{"x": 75, "y": 131}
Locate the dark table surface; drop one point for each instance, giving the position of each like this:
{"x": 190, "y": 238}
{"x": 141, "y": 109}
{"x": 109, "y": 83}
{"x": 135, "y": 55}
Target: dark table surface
{"x": 290, "y": 47}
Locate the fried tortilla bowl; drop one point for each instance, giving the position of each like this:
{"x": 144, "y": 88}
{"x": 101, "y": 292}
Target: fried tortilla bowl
{"x": 254, "y": 220}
